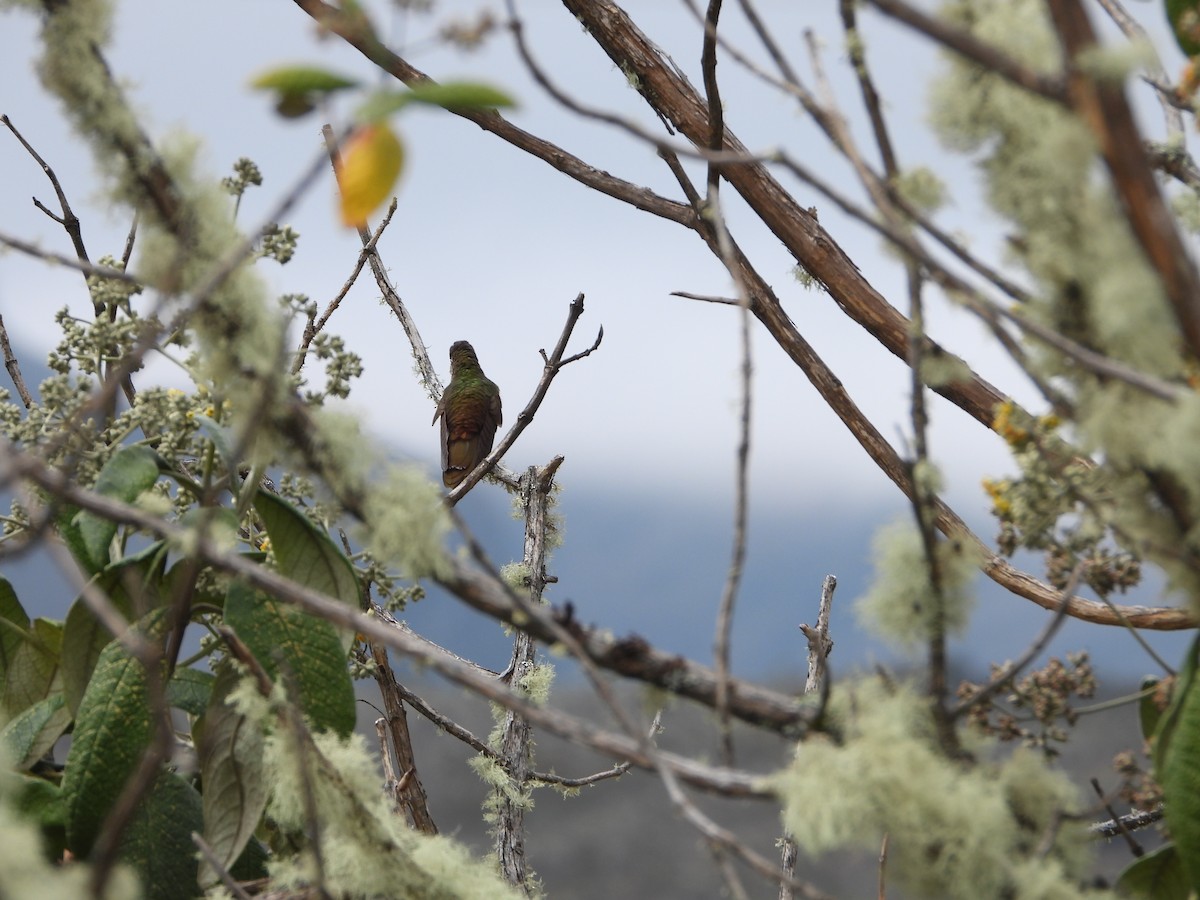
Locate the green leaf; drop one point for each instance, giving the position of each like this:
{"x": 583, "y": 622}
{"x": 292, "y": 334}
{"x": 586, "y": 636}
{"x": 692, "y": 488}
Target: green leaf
{"x": 252, "y": 864}
{"x": 27, "y": 737}
{"x": 33, "y": 672}
{"x": 302, "y": 79}
{"x": 112, "y": 729}
{"x": 451, "y": 95}
{"x": 39, "y": 800}
{"x": 1177, "y": 766}
{"x": 14, "y": 625}
{"x": 307, "y": 555}
{"x": 131, "y": 471}
{"x": 158, "y": 843}
{"x": 1156, "y": 876}
{"x": 298, "y": 88}
{"x": 230, "y": 749}
{"x": 189, "y": 690}
{"x": 68, "y": 530}
{"x": 1185, "y": 24}
{"x": 132, "y": 583}
{"x": 286, "y": 640}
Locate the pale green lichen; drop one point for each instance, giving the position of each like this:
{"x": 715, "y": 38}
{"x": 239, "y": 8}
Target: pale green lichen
{"x": 804, "y": 277}
{"x": 902, "y": 604}
{"x": 928, "y": 477}
{"x": 407, "y": 523}
{"x": 1115, "y": 62}
{"x": 537, "y": 683}
{"x": 956, "y": 829}
{"x": 1186, "y": 207}
{"x": 25, "y": 870}
{"x": 921, "y": 189}
{"x": 366, "y": 850}
{"x": 1043, "y": 173}
{"x": 516, "y": 576}
{"x": 941, "y": 369}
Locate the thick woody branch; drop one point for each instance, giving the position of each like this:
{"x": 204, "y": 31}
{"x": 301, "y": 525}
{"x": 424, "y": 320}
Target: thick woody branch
{"x": 632, "y": 657}
{"x": 351, "y": 31}
{"x": 673, "y": 98}
{"x": 1103, "y": 106}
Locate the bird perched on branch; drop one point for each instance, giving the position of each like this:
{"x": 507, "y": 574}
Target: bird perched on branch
{"x": 470, "y": 413}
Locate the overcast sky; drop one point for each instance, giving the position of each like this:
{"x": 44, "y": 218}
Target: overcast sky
{"x": 490, "y": 245}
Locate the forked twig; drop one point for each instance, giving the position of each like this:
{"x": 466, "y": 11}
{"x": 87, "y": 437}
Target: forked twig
{"x": 553, "y": 364}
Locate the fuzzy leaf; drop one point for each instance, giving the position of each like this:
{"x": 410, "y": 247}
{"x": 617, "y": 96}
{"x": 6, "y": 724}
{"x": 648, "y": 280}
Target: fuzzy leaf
{"x": 189, "y": 690}
{"x": 286, "y": 640}
{"x": 158, "y": 843}
{"x": 30, "y": 735}
{"x": 230, "y": 748}
{"x": 367, "y": 170}
{"x": 112, "y": 729}
{"x": 14, "y": 626}
{"x": 307, "y": 555}
{"x": 33, "y": 672}
{"x": 130, "y": 583}
{"x": 130, "y": 472}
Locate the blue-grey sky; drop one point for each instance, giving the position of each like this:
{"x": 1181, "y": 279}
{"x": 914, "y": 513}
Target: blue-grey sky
{"x": 490, "y": 245}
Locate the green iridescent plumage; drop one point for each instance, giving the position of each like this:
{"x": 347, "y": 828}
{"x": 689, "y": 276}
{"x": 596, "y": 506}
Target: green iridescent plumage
{"x": 470, "y": 414}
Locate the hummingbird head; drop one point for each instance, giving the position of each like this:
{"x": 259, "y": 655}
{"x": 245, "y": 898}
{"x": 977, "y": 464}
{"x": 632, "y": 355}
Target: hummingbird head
{"x": 462, "y": 353}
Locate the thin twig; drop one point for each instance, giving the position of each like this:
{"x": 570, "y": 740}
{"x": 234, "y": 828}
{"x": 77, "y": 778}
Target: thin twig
{"x": 391, "y": 297}
{"x": 1106, "y": 111}
{"x": 1133, "y": 30}
{"x": 69, "y": 221}
{"x": 14, "y": 367}
{"x": 819, "y": 642}
{"x": 712, "y": 93}
{"x": 315, "y": 327}
{"x": 967, "y": 45}
{"x": 1134, "y": 847}
{"x": 1031, "y": 652}
{"x": 714, "y": 156}
{"x": 883, "y": 857}
{"x": 210, "y": 857}
{"x": 552, "y": 365}
{"x": 1128, "y": 822}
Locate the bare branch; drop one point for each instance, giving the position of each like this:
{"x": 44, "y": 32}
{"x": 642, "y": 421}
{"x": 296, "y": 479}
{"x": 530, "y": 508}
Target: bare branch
{"x": 68, "y": 220}
{"x": 14, "y": 367}
{"x": 370, "y": 46}
{"x": 429, "y": 378}
{"x": 553, "y": 364}
{"x": 1133, "y": 30}
{"x": 1010, "y": 670}
{"x": 1103, "y": 107}
{"x": 819, "y": 642}
{"x": 969, "y": 46}
{"x": 211, "y": 858}
{"x": 1129, "y": 822}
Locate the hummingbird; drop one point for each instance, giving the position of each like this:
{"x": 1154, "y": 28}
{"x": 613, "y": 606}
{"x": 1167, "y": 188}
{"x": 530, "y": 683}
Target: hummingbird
{"x": 470, "y": 413}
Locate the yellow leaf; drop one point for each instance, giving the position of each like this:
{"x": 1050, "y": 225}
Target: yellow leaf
{"x": 370, "y": 164}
